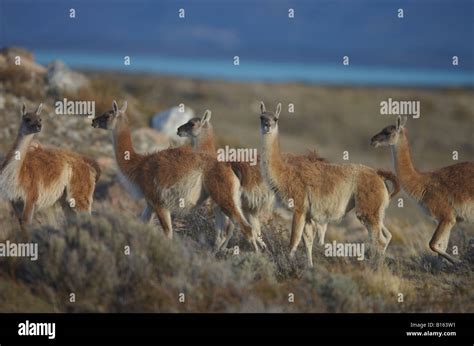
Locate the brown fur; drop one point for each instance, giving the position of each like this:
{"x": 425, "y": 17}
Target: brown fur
{"x": 43, "y": 175}
{"x": 322, "y": 191}
{"x": 250, "y": 176}
{"x": 387, "y": 175}
{"x": 207, "y": 142}
{"x": 154, "y": 174}
{"x": 445, "y": 194}
{"x": 93, "y": 163}
{"x": 45, "y": 165}
{"x": 201, "y": 133}
{"x": 256, "y": 195}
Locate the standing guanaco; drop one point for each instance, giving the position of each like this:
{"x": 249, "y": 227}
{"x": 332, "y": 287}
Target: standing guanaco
{"x": 324, "y": 192}
{"x": 33, "y": 177}
{"x": 256, "y": 197}
{"x": 256, "y": 194}
{"x": 175, "y": 179}
{"x": 445, "y": 194}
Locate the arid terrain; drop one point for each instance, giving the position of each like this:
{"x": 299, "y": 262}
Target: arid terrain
{"x": 85, "y": 255}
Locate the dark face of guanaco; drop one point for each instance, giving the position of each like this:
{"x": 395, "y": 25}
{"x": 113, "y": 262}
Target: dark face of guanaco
{"x": 108, "y": 120}
{"x": 104, "y": 121}
{"x": 195, "y": 126}
{"x": 31, "y": 121}
{"x": 389, "y": 135}
{"x": 191, "y": 129}
{"x": 269, "y": 120}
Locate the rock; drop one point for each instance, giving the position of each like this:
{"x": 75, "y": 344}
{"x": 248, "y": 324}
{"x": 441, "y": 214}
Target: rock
{"x": 8, "y": 55}
{"x": 62, "y": 78}
{"x": 33, "y": 67}
{"x": 146, "y": 140}
{"x": 168, "y": 121}
{"x": 11, "y": 52}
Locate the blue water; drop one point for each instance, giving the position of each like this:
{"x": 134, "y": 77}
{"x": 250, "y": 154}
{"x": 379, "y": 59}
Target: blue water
{"x": 266, "y": 71}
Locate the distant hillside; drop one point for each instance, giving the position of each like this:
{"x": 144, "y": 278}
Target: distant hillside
{"x": 85, "y": 255}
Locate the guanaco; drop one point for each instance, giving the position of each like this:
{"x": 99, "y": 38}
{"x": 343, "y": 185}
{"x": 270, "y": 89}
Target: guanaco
{"x": 33, "y": 177}
{"x": 256, "y": 197}
{"x": 446, "y": 194}
{"x": 173, "y": 180}
{"x": 324, "y": 192}
{"x": 256, "y": 194}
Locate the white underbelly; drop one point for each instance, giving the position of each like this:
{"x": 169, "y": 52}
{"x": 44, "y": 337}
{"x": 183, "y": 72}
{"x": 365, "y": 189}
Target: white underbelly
{"x": 466, "y": 211}
{"x": 331, "y": 208}
{"x": 11, "y": 189}
{"x": 9, "y": 185}
{"x": 50, "y": 195}
{"x": 258, "y": 198}
{"x": 183, "y": 195}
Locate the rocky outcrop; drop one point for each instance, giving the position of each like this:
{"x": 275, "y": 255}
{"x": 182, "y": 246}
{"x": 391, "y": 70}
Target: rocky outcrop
{"x": 62, "y": 78}
{"x": 8, "y": 57}
{"x": 167, "y": 122}
{"x": 146, "y": 140}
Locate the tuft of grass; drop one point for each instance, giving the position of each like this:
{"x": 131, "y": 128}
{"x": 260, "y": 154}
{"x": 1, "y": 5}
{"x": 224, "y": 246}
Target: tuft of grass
{"x": 102, "y": 92}
{"x": 88, "y": 256}
{"x": 19, "y": 81}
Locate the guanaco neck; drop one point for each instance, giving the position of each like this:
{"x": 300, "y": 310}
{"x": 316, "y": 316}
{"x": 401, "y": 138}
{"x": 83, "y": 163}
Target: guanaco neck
{"x": 272, "y": 161}
{"x": 410, "y": 178}
{"x": 205, "y": 141}
{"x": 19, "y": 149}
{"x": 125, "y": 154}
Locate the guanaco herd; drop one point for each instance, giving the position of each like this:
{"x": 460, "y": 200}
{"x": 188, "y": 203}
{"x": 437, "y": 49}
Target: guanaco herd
{"x": 174, "y": 180}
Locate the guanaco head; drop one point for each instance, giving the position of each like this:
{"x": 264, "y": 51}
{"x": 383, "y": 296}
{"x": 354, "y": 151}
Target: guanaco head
{"x": 390, "y": 134}
{"x": 195, "y": 126}
{"x": 30, "y": 121}
{"x": 108, "y": 120}
{"x": 269, "y": 120}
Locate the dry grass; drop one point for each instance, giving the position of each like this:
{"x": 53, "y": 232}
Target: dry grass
{"x": 18, "y": 81}
{"x": 86, "y": 255}
{"x": 102, "y": 92}
{"x": 328, "y": 119}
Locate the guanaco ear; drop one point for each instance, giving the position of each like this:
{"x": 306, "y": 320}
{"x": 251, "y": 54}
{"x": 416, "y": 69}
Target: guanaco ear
{"x": 23, "y": 109}
{"x": 401, "y": 122}
{"x": 115, "y": 107}
{"x": 278, "y": 111}
{"x": 206, "y": 117}
{"x": 124, "y": 107}
{"x": 404, "y": 120}
{"x": 39, "y": 109}
{"x": 262, "y": 107}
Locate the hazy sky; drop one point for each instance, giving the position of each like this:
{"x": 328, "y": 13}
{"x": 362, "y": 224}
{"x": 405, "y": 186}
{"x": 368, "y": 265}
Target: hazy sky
{"x": 369, "y": 31}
